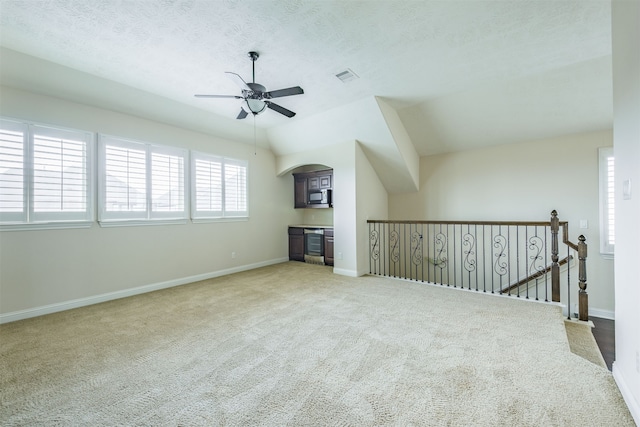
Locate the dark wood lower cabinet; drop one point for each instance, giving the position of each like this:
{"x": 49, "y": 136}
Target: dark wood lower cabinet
{"x": 328, "y": 246}
{"x": 296, "y": 244}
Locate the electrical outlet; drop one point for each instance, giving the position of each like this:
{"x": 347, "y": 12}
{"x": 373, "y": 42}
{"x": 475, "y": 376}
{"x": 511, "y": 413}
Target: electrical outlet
{"x": 638, "y": 361}
{"x": 339, "y": 255}
{"x": 233, "y": 254}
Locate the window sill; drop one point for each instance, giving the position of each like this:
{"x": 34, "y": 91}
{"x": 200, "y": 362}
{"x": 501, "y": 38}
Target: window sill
{"x": 140, "y": 222}
{"x": 222, "y": 219}
{"x": 45, "y": 225}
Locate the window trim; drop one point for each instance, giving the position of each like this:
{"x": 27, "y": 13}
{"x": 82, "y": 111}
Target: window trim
{"x": 10, "y": 219}
{"x": 607, "y": 249}
{"x": 28, "y": 219}
{"x": 95, "y": 178}
{"x": 223, "y": 215}
{"x": 148, "y": 216}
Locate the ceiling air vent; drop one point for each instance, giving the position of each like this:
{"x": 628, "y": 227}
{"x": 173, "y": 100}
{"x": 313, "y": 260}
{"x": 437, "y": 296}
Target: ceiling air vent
{"x": 347, "y": 76}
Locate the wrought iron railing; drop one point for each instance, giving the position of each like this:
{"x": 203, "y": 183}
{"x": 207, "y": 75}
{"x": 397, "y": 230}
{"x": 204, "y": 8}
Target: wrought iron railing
{"x": 517, "y": 258}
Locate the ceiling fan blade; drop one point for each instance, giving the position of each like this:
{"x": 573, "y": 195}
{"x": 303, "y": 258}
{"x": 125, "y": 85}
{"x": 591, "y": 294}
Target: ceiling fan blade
{"x": 237, "y": 80}
{"x": 296, "y": 90}
{"x": 279, "y": 109}
{"x": 242, "y": 114}
{"x": 218, "y": 96}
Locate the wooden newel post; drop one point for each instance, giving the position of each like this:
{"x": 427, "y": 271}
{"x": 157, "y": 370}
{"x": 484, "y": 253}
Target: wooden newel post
{"x": 555, "y": 267}
{"x": 583, "y": 297}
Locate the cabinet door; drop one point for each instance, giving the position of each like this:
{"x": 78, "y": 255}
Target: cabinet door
{"x": 325, "y": 182}
{"x": 328, "y": 247}
{"x": 300, "y": 190}
{"x": 296, "y": 244}
{"x": 314, "y": 183}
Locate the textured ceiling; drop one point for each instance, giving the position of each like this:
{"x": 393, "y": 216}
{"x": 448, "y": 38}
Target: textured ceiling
{"x": 460, "y": 73}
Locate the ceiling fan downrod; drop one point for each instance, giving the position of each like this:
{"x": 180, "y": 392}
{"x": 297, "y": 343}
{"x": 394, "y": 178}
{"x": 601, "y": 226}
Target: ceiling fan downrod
{"x": 254, "y": 57}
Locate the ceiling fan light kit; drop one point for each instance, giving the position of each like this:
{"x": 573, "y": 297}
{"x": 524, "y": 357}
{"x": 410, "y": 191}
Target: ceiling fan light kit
{"x": 255, "y": 96}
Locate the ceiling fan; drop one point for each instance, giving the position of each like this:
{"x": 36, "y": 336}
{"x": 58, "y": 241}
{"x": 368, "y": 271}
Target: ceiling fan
{"x": 255, "y": 96}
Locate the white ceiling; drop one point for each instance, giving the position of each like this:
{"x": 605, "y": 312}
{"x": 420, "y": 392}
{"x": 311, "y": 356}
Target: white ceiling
{"x": 461, "y": 74}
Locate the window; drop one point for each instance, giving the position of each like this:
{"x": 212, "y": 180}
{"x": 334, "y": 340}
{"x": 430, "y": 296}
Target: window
{"x": 47, "y": 179}
{"x": 141, "y": 181}
{"x": 607, "y": 201}
{"x": 45, "y": 175}
{"x": 219, "y": 187}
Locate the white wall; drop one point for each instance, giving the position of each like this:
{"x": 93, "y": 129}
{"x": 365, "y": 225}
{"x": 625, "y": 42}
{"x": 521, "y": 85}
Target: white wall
{"x": 51, "y": 268}
{"x": 626, "y": 130}
{"x": 523, "y": 181}
{"x": 314, "y": 216}
{"x": 341, "y": 158}
{"x": 371, "y": 203}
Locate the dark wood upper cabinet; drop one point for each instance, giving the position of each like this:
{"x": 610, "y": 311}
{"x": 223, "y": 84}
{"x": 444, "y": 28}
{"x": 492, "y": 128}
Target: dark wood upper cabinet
{"x": 313, "y": 183}
{"x": 306, "y": 182}
{"x": 300, "y": 189}
{"x": 325, "y": 181}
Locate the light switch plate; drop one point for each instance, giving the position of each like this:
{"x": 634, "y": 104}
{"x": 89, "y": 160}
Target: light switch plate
{"x": 584, "y": 223}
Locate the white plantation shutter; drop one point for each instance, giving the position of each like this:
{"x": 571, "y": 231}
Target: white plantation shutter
{"x": 167, "y": 183}
{"x": 141, "y": 181}
{"x": 235, "y": 188}
{"x": 207, "y": 187}
{"x": 607, "y": 201}
{"x": 45, "y": 174}
{"x": 125, "y": 181}
{"x": 611, "y": 235}
{"x": 219, "y": 187}
{"x": 60, "y": 174}
{"x": 12, "y": 184}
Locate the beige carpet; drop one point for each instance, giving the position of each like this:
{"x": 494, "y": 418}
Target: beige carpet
{"x": 582, "y": 341}
{"x": 294, "y": 345}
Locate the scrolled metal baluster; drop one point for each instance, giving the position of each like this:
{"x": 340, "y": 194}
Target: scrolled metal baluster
{"x": 374, "y": 240}
{"x": 416, "y": 248}
{"x": 536, "y": 244}
{"x": 500, "y": 243}
{"x": 441, "y": 250}
{"x": 394, "y": 250}
{"x": 500, "y": 265}
{"x": 440, "y": 259}
{"x": 469, "y": 241}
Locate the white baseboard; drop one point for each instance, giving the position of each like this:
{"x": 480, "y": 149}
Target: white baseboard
{"x": 345, "y": 272}
{"x": 632, "y": 403}
{"x": 594, "y": 312}
{"x": 81, "y": 302}
{"x": 604, "y": 314}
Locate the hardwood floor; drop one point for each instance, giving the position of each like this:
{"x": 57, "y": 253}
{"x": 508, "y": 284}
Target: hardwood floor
{"x": 604, "y": 333}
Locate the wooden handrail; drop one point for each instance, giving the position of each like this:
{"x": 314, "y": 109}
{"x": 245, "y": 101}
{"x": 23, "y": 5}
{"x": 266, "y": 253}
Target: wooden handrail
{"x": 535, "y": 275}
{"x": 565, "y": 236}
{"x": 519, "y": 223}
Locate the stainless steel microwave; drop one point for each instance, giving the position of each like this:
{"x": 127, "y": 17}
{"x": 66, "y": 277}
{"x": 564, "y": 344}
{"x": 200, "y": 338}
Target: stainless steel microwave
{"x": 320, "y": 197}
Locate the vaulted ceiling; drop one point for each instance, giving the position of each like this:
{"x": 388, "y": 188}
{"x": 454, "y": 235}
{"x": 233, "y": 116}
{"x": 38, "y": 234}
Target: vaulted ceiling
{"x": 460, "y": 74}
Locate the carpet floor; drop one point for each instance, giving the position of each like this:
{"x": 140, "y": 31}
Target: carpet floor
{"x": 295, "y": 345}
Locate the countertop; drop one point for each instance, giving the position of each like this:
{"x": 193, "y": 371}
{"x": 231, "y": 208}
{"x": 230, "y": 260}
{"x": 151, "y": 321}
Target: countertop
{"x": 311, "y": 226}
